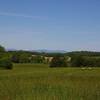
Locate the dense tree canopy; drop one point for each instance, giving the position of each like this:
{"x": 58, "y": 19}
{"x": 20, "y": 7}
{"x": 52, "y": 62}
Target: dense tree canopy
{"x": 58, "y": 62}
{"x": 2, "y": 49}
{"x": 72, "y": 59}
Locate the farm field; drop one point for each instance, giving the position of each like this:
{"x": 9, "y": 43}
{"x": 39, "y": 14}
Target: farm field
{"x": 39, "y": 82}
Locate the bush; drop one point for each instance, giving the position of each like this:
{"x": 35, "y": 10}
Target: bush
{"x": 2, "y": 49}
{"x": 77, "y": 61}
{"x": 58, "y": 62}
{"x": 6, "y": 63}
{"x": 80, "y": 61}
{"x": 92, "y": 62}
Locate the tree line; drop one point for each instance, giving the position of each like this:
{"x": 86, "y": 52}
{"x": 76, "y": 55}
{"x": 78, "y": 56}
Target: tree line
{"x": 69, "y": 59}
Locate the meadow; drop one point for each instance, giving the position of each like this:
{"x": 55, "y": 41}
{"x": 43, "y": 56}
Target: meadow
{"x": 39, "y": 82}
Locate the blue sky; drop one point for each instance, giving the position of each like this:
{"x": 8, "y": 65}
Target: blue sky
{"x": 50, "y": 24}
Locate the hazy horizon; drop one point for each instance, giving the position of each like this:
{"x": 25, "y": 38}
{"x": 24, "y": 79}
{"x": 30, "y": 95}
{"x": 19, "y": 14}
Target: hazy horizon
{"x": 70, "y": 25}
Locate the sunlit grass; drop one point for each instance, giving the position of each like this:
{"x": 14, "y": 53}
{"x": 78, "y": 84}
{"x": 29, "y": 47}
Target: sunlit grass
{"x": 39, "y": 82}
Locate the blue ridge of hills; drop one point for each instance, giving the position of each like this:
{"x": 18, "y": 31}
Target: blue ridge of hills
{"x": 40, "y": 50}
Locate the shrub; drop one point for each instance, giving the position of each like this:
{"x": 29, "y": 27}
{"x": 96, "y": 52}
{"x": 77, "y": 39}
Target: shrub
{"x": 92, "y": 62}
{"x": 77, "y": 61}
{"x": 2, "y": 49}
{"x": 58, "y": 62}
{"x": 80, "y": 61}
{"x": 6, "y": 63}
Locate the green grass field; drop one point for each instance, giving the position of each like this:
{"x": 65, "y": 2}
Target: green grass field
{"x": 39, "y": 82}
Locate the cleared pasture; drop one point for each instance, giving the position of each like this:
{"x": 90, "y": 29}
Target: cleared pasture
{"x": 39, "y": 82}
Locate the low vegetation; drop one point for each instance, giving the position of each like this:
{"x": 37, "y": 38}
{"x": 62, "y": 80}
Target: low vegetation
{"x": 58, "y": 61}
{"x": 32, "y": 77}
{"x": 71, "y": 59}
{"x": 6, "y": 63}
{"x": 39, "y": 82}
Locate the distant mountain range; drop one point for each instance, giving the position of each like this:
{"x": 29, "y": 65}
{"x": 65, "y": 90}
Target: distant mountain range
{"x": 51, "y": 51}
{"x": 41, "y": 50}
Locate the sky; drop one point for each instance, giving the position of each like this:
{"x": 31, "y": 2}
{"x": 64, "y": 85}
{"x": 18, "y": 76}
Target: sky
{"x": 69, "y": 25}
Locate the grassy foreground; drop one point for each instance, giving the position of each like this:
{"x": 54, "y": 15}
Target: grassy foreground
{"x": 39, "y": 82}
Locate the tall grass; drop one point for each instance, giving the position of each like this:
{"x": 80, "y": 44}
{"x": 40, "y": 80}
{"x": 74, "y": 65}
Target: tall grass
{"x": 39, "y": 82}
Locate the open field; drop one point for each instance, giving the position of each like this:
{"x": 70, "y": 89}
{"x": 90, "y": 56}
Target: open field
{"x": 39, "y": 82}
